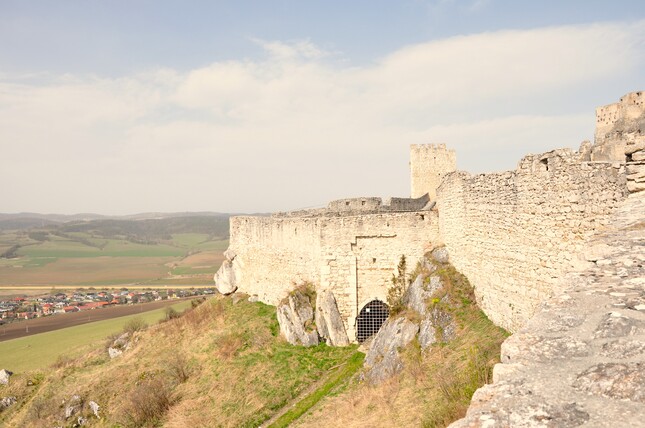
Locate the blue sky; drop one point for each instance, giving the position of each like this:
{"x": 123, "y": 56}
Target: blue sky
{"x": 119, "y": 107}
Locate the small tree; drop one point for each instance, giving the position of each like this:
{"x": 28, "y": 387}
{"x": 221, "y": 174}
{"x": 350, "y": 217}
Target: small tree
{"x": 399, "y": 286}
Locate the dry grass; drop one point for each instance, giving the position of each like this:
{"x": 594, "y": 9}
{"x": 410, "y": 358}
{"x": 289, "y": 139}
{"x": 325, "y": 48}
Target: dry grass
{"x": 148, "y": 403}
{"x": 435, "y": 386}
{"x": 220, "y": 364}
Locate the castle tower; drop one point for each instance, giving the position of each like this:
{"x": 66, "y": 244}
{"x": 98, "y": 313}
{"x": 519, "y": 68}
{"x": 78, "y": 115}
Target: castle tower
{"x": 429, "y": 163}
{"x": 616, "y": 124}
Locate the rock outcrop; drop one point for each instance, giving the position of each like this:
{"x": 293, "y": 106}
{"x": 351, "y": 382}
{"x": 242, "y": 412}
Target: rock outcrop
{"x": 296, "y": 319}
{"x": 4, "y": 376}
{"x": 383, "y": 359}
{"x": 581, "y": 359}
{"x": 425, "y": 299}
{"x": 225, "y": 278}
{"x": 6, "y": 402}
{"x": 328, "y": 320}
{"x": 120, "y": 345}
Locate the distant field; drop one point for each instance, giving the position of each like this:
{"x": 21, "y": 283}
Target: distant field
{"x": 41, "y": 350}
{"x": 83, "y": 259}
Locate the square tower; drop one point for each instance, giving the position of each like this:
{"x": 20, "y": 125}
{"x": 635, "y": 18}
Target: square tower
{"x": 429, "y": 163}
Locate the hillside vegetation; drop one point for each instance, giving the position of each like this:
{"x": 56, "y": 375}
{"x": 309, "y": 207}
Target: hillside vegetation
{"x": 223, "y": 364}
{"x": 436, "y": 385}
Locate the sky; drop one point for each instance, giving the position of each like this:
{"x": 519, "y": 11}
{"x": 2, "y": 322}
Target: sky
{"x": 238, "y": 106}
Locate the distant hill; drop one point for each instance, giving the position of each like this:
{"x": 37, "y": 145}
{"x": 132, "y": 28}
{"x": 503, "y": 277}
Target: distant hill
{"x": 147, "y": 228}
{"x": 22, "y": 223}
{"x": 151, "y": 230}
{"x": 64, "y": 218}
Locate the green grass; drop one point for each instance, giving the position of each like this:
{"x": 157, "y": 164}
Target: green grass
{"x": 189, "y": 240}
{"x": 41, "y": 350}
{"x": 341, "y": 375}
{"x": 114, "y": 248}
{"x": 187, "y": 270}
{"x": 217, "y": 245}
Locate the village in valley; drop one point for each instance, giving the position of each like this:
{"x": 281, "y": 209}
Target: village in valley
{"x": 59, "y": 302}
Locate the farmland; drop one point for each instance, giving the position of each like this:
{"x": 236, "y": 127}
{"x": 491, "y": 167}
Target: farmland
{"x": 100, "y": 253}
{"x": 39, "y": 351}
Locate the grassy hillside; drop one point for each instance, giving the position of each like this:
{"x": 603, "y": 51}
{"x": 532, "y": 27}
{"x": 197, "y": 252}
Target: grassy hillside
{"x": 224, "y": 365}
{"x": 435, "y": 386}
{"x": 221, "y": 364}
{"x": 41, "y": 350}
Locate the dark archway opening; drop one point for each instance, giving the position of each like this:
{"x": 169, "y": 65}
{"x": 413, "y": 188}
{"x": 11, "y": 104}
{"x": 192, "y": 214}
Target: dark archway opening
{"x": 370, "y": 319}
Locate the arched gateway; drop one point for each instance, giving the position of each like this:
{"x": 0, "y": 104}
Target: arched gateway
{"x": 370, "y": 319}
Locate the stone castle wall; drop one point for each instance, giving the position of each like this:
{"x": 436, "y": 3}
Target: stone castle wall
{"x": 515, "y": 234}
{"x": 617, "y": 125}
{"x": 270, "y": 255}
{"x": 354, "y": 256}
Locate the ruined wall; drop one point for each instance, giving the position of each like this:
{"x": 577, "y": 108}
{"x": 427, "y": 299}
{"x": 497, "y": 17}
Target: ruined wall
{"x": 515, "y": 234}
{"x": 618, "y": 125}
{"x": 354, "y": 256}
{"x": 360, "y": 254}
{"x": 428, "y": 166}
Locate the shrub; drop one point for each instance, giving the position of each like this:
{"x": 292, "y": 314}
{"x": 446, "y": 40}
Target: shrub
{"x": 172, "y": 314}
{"x": 148, "y": 403}
{"x": 134, "y": 325}
{"x": 399, "y": 286}
{"x": 196, "y": 302}
{"x": 179, "y": 368}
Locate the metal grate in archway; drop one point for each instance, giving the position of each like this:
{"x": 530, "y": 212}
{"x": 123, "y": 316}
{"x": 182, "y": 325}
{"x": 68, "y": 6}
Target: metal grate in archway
{"x": 370, "y": 319}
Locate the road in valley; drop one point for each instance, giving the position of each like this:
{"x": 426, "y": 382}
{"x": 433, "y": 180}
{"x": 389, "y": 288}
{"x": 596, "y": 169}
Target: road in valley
{"x": 18, "y": 329}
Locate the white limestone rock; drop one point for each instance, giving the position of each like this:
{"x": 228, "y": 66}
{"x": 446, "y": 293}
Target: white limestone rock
{"x": 120, "y": 344}
{"x": 328, "y": 320}
{"x": 420, "y": 291}
{"x": 4, "y": 376}
{"x": 441, "y": 255}
{"x": 383, "y": 359}
{"x": 225, "y": 278}
{"x": 73, "y": 406}
{"x": 295, "y": 316}
{"x": 95, "y": 408}
{"x": 6, "y": 402}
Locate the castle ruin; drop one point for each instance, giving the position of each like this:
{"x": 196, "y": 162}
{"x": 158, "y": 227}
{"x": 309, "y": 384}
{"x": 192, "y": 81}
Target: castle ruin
{"x": 514, "y": 234}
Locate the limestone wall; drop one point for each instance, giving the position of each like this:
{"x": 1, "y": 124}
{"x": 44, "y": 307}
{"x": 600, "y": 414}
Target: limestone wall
{"x": 273, "y": 254}
{"x": 515, "y": 234}
{"x": 354, "y": 256}
{"x": 360, "y": 254}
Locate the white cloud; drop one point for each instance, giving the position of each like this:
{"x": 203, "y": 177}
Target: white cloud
{"x": 294, "y": 129}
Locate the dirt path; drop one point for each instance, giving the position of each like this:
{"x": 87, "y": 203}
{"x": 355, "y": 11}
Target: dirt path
{"x": 15, "y": 330}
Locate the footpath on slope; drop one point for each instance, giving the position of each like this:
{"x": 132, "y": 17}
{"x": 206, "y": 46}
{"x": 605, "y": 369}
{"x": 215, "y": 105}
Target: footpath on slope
{"x": 316, "y": 392}
{"x": 581, "y": 359}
